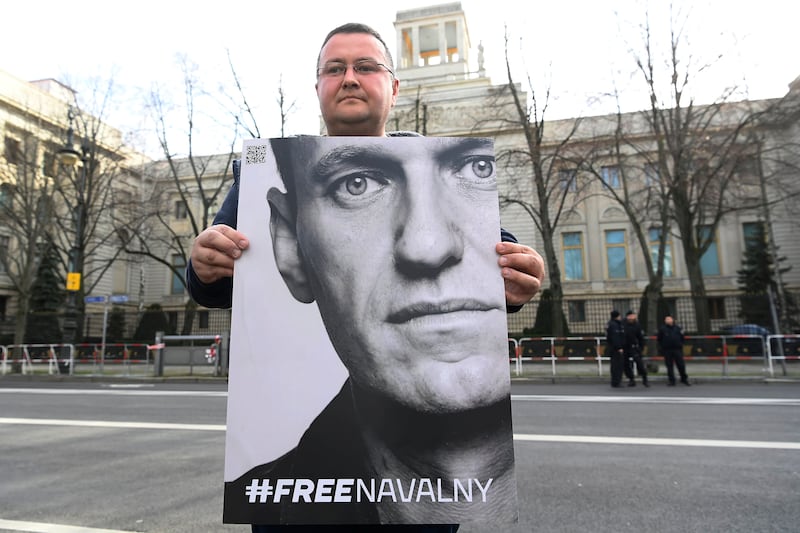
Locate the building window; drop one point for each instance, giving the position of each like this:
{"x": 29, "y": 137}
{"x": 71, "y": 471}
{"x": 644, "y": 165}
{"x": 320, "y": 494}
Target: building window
{"x": 671, "y": 307}
{"x": 753, "y": 233}
{"x": 621, "y": 304}
{"x": 573, "y": 255}
{"x": 568, "y": 180}
{"x": 13, "y": 151}
{"x": 655, "y": 236}
{"x": 6, "y": 195}
{"x": 616, "y": 254}
{"x": 3, "y": 305}
{"x": 180, "y": 210}
{"x": 576, "y": 310}
{"x": 651, "y": 175}
{"x": 172, "y": 321}
{"x": 716, "y": 308}
{"x": 5, "y": 242}
{"x": 747, "y": 166}
{"x": 202, "y": 317}
{"x": 211, "y": 205}
{"x": 49, "y": 165}
{"x": 709, "y": 263}
{"x": 610, "y": 177}
{"x": 179, "y": 264}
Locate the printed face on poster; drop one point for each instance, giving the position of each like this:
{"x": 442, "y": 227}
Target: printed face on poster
{"x": 369, "y": 378}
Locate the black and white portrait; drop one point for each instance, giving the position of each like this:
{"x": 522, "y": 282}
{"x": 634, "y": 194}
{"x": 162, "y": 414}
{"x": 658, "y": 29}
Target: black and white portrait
{"x": 369, "y": 378}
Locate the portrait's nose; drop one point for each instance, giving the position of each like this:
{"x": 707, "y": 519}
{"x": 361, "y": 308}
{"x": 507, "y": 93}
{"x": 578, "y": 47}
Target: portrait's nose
{"x": 427, "y": 240}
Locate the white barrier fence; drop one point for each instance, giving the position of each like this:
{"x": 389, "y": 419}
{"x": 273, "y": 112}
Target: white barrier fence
{"x": 721, "y": 349}
{"x": 63, "y": 358}
{"x": 555, "y": 352}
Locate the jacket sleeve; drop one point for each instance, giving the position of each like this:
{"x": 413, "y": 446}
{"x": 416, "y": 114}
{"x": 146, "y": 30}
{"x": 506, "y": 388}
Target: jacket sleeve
{"x": 220, "y": 293}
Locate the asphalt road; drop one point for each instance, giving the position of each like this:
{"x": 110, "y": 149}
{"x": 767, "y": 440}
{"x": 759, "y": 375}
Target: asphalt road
{"x": 149, "y": 457}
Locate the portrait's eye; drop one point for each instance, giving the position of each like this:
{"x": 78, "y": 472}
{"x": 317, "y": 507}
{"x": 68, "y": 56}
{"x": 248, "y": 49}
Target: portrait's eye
{"x": 355, "y": 188}
{"x": 477, "y": 167}
{"x": 356, "y": 185}
{"x": 483, "y": 168}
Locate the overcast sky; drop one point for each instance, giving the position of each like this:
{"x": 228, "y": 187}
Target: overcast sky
{"x": 578, "y": 47}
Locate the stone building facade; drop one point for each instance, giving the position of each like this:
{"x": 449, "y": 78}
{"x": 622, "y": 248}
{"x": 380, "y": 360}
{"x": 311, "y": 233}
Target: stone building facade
{"x": 445, "y": 91}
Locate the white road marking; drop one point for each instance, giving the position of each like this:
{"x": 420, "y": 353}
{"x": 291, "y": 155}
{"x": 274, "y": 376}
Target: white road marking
{"x": 40, "y": 527}
{"x": 111, "y": 424}
{"x": 660, "y": 442}
{"x": 581, "y": 439}
{"x": 115, "y": 392}
{"x": 694, "y": 400}
{"x": 588, "y": 439}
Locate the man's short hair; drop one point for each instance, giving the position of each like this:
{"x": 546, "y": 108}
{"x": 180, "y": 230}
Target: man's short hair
{"x": 356, "y": 27}
{"x": 630, "y": 312}
{"x": 614, "y": 314}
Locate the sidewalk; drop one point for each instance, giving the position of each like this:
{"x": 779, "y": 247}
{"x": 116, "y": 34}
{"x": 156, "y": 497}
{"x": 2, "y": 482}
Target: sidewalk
{"x": 577, "y": 372}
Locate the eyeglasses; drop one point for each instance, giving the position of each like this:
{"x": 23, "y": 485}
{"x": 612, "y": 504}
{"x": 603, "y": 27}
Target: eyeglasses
{"x": 365, "y": 67}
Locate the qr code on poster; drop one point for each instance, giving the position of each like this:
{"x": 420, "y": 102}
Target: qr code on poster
{"x": 256, "y": 154}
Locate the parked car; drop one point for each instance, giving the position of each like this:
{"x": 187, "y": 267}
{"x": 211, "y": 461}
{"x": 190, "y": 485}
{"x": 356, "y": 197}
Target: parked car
{"x": 747, "y": 329}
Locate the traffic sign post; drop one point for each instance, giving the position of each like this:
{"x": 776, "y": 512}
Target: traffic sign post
{"x": 73, "y": 281}
{"x": 114, "y": 299}
{"x": 102, "y": 299}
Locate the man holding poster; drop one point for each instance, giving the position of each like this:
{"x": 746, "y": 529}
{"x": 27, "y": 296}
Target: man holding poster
{"x": 394, "y": 239}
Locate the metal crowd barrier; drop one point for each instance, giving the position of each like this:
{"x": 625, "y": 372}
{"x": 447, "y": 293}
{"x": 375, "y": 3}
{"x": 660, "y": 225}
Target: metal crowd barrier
{"x": 724, "y": 349}
{"x": 63, "y": 358}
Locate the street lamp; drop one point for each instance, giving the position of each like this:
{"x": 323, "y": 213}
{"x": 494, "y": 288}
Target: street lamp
{"x": 70, "y": 157}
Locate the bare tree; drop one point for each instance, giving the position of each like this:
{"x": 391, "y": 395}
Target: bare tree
{"x": 541, "y": 176}
{"x": 624, "y": 168}
{"x": 86, "y": 194}
{"x": 700, "y": 151}
{"x": 776, "y": 161}
{"x": 26, "y": 216}
{"x": 243, "y": 113}
{"x": 184, "y": 191}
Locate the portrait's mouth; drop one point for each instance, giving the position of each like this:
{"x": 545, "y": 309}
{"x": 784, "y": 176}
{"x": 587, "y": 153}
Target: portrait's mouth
{"x": 417, "y": 310}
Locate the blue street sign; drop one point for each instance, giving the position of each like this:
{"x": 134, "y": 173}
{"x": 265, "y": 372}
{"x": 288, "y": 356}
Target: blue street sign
{"x": 118, "y": 298}
{"x": 94, "y": 299}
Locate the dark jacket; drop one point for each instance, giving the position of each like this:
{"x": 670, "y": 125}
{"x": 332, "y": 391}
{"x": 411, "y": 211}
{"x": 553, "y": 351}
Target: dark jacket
{"x": 615, "y": 335}
{"x": 670, "y": 337}
{"x": 634, "y": 337}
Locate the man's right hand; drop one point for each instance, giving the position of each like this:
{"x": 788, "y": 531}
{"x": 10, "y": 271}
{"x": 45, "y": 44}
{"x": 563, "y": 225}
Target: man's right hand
{"x": 215, "y": 250}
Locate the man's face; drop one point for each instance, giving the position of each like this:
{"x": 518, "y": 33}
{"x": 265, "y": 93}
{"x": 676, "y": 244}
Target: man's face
{"x": 397, "y": 241}
{"x": 355, "y": 104}
{"x": 631, "y": 318}
{"x": 668, "y": 320}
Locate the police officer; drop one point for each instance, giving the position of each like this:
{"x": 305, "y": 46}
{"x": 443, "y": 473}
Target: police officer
{"x": 634, "y": 343}
{"x": 670, "y": 342}
{"x": 615, "y": 347}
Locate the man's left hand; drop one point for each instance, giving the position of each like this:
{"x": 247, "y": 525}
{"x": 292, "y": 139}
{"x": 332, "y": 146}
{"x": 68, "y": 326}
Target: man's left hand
{"x": 523, "y": 271}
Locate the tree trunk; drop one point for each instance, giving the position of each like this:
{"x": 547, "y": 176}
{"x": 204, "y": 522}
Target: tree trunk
{"x": 698, "y": 289}
{"x": 189, "y": 312}
{"x": 556, "y": 289}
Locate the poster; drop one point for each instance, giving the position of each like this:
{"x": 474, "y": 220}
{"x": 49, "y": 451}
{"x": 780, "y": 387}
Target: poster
{"x": 369, "y": 378}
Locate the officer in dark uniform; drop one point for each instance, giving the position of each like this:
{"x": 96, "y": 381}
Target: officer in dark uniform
{"x": 634, "y": 344}
{"x": 615, "y": 347}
